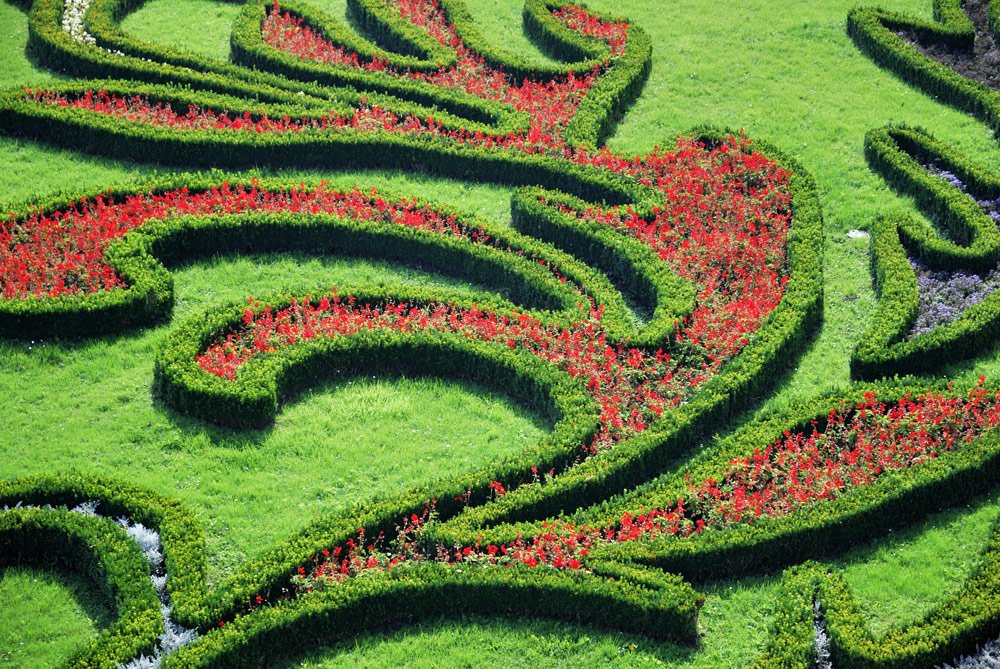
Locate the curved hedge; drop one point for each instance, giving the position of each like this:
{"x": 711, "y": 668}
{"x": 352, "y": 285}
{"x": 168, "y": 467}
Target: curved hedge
{"x": 813, "y": 531}
{"x": 898, "y": 153}
{"x": 510, "y": 264}
{"x": 950, "y": 630}
{"x": 642, "y": 457}
{"x": 100, "y": 550}
{"x": 612, "y": 594}
{"x": 873, "y": 31}
{"x": 668, "y": 611}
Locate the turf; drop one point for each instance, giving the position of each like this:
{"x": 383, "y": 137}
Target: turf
{"x": 784, "y": 71}
{"x": 46, "y": 616}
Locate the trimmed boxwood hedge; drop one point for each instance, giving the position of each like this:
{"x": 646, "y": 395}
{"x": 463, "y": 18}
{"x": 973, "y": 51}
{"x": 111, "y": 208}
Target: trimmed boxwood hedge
{"x": 149, "y": 296}
{"x": 626, "y": 598}
{"x": 874, "y": 32}
{"x": 948, "y": 631}
{"x": 899, "y": 153}
{"x": 409, "y": 594}
{"x": 99, "y": 549}
{"x": 855, "y": 517}
{"x": 738, "y": 385}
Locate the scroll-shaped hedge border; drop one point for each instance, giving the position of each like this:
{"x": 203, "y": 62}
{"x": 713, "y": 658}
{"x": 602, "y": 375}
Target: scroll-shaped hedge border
{"x": 616, "y": 596}
{"x": 629, "y": 263}
{"x": 873, "y": 30}
{"x": 100, "y": 550}
{"x": 948, "y": 631}
{"x": 667, "y": 610}
{"x": 823, "y": 528}
{"x": 615, "y": 90}
{"x": 136, "y": 258}
{"x": 740, "y": 382}
{"x": 897, "y": 152}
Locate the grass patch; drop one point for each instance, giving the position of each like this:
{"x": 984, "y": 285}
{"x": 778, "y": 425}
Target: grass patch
{"x": 47, "y": 617}
{"x": 169, "y": 22}
{"x": 903, "y": 577}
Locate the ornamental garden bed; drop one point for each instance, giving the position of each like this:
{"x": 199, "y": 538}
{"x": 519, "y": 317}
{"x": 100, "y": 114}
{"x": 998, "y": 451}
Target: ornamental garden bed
{"x": 409, "y": 322}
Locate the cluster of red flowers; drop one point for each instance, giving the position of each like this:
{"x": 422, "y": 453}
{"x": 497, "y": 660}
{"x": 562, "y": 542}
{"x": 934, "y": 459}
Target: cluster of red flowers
{"x": 550, "y": 105}
{"x": 140, "y": 109}
{"x": 62, "y": 253}
{"x": 612, "y": 33}
{"x": 736, "y": 210}
{"x": 854, "y": 447}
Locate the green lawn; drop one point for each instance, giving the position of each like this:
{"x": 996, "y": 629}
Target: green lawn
{"x": 783, "y": 70}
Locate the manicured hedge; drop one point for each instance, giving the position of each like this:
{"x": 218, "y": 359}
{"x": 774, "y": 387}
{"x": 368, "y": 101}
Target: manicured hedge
{"x": 740, "y": 384}
{"x": 153, "y": 63}
{"x": 136, "y": 258}
{"x": 947, "y": 632}
{"x": 899, "y": 152}
{"x": 874, "y": 32}
{"x": 409, "y": 594}
{"x": 108, "y": 135}
{"x": 99, "y": 549}
{"x": 631, "y": 264}
{"x": 252, "y": 399}
{"x": 250, "y": 50}
{"x": 856, "y": 516}
{"x": 181, "y": 538}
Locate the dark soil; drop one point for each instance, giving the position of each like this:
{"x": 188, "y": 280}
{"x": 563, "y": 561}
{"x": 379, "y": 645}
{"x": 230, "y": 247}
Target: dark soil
{"x": 981, "y": 63}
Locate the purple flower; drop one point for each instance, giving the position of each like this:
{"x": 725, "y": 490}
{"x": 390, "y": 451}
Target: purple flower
{"x": 944, "y": 296}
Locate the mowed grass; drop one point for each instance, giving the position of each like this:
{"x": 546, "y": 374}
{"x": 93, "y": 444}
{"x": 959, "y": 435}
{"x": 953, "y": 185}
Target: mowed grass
{"x": 45, "y": 617}
{"x": 783, "y": 71}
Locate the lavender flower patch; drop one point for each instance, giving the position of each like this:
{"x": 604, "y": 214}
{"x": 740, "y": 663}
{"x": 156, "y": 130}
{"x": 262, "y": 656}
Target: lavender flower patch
{"x": 990, "y": 207}
{"x": 944, "y": 296}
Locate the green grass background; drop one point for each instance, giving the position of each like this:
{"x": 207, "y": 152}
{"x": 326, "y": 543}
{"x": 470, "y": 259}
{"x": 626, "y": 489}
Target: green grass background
{"x": 783, "y": 70}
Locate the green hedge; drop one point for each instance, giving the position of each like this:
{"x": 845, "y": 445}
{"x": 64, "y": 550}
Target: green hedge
{"x": 181, "y": 538}
{"x": 160, "y": 64}
{"x": 561, "y": 42}
{"x": 947, "y": 632}
{"x": 111, "y": 136}
{"x": 149, "y": 296}
{"x": 885, "y": 350}
{"x": 824, "y": 528}
{"x": 897, "y": 153}
{"x": 740, "y": 384}
{"x": 250, "y": 50}
{"x": 668, "y": 611}
{"x": 633, "y": 265}
{"x": 252, "y": 399}
{"x": 99, "y": 549}
{"x": 873, "y": 31}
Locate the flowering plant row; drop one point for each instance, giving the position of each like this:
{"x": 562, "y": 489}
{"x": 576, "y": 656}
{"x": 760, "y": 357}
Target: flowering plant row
{"x": 851, "y": 448}
{"x": 890, "y": 447}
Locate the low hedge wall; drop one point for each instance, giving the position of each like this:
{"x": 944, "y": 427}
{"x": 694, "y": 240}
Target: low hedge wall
{"x": 99, "y": 549}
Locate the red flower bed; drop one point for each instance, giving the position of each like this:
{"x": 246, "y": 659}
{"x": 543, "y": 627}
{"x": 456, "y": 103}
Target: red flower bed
{"x": 733, "y": 249}
{"x": 855, "y": 447}
{"x": 550, "y": 105}
{"x": 61, "y": 253}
